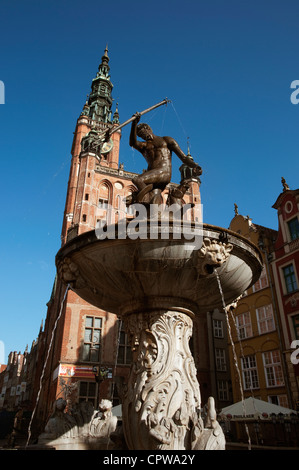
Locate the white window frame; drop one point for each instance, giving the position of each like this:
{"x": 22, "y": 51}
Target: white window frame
{"x": 92, "y": 339}
{"x": 282, "y": 276}
{"x": 262, "y": 282}
{"x": 223, "y": 390}
{"x": 265, "y": 316}
{"x": 220, "y": 359}
{"x": 288, "y": 228}
{"x": 273, "y": 369}
{"x": 244, "y": 325}
{"x": 250, "y": 372}
{"x": 218, "y": 328}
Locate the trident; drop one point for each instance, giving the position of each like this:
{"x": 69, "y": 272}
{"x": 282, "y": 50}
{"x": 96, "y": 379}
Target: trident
{"x": 107, "y": 134}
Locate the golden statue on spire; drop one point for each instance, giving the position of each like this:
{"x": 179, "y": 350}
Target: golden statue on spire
{"x": 284, "y": 184}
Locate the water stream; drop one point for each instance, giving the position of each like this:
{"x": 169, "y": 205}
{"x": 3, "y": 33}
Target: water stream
{"x": 45, "y": 365}
{"x": 234, "y": 355}
{"x": 116, "y": 358}
{"x": 241, "y": 350}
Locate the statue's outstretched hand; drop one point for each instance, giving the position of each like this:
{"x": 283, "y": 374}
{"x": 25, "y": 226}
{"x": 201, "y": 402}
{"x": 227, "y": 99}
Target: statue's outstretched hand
{"x": 137, "y": 117}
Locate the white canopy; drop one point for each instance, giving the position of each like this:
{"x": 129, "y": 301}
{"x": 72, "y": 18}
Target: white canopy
{"x": 254, "y": 408}
{"x": 117, "y": 411}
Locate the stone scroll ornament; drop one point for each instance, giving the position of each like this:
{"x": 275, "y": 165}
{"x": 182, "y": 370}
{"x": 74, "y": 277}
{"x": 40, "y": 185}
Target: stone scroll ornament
{"x": 161, "y": 409}
{"x": 163, "y": 398}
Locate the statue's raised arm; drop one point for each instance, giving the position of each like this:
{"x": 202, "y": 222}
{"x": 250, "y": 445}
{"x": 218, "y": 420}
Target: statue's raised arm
{"x": 174, "y": 147}
{"x": 133, "y": 135}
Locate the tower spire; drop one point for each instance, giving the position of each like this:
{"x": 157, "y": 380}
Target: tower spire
{"x": 104, "y": 67}
{"x": 116, "y": 115}
{"x": 100, "y": 99}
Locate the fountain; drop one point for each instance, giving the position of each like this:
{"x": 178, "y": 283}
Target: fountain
{"x": 157, "y": 281}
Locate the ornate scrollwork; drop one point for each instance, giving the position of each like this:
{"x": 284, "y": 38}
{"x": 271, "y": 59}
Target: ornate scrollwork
{"x": 163, "y": 398}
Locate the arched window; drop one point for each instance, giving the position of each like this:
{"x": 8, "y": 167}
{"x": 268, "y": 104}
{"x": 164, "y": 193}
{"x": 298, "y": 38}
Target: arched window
{"x": 105, "y": 197}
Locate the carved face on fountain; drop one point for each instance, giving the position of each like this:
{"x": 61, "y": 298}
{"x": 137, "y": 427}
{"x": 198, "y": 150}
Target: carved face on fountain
{"x": 214, "y": 254}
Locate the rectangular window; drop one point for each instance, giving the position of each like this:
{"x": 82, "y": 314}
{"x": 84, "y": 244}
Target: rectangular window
{"x": 244, "y": 325}
{"x": 280, "y": 400}
{"x": 290, "y": 278}
{"x": 220, "y": 359}
{"x": 296, "y": 325}
{"x": 223, "y": 390}
{"x": 265, "y": 319}
{"x": 218, "y": 328}
{"x": 250, "y": 374}
{"x": 103, "y": 212}
{"x": 273, "y": 369}
{"x": 88, "y": 392}
{"x": 103, "y": 204}
{"x": 92, "y": 339}
{"x": 294, "y": 228}
{"x": 124, "y": 349}
{"x": 262, "y": 282}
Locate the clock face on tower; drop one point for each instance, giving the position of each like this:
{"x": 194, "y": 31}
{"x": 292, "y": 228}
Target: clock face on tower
{"x": 107, "y": 146}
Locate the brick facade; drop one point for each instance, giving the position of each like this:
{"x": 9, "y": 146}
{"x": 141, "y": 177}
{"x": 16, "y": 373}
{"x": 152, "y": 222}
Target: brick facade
{"x": 285, "y": 266}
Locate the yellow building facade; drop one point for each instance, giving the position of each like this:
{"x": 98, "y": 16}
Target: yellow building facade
{"x": 256, "y": 355}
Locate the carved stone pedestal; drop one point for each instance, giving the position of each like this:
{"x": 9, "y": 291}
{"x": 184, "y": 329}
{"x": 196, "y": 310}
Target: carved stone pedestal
{"x": 162, "y": 405}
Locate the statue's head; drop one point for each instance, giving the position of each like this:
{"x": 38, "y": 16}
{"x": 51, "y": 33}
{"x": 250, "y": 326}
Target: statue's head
{"x": 60, "y": 404}
{"x": 105, "y": 405}
{"x": 144, "y": 131}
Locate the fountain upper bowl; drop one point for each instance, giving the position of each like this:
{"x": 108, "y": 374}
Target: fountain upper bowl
{"x": 126, "y": 275}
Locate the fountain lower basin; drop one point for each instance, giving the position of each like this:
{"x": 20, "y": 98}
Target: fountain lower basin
{"x": 157, "y": 285}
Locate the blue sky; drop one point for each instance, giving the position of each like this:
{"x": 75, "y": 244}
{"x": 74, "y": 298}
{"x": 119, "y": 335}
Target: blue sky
{"x": 227, "y": 66}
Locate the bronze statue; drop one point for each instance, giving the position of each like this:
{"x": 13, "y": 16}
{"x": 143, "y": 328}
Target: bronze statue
{"x": 284, "y": 184}
{"x": 157, "y": 151}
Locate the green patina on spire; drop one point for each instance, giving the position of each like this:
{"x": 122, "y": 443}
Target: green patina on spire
{"x": 116, "y": 115}
{"x": 100, "y": 99}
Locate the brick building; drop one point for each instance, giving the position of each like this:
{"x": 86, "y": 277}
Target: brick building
{"x": 20, "y": 377}
{"x": 285, "y": 266}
